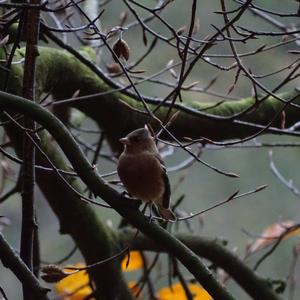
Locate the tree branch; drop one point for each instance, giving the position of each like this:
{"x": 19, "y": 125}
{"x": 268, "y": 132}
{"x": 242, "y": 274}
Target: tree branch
{"x": 196, "y": 119}
{"x": 213, "y": 250}
{"x": 89, "y": 175}
{"x": 29, "y": 227}
{"x": 12, "y": 261}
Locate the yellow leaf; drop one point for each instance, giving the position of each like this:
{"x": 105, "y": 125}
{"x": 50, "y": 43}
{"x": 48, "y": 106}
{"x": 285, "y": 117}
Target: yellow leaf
{"x": 176, "y": 292}
{"x": 272, "y": 233}
{"x": 135, "y": 262}
{"x": 75, "y": 286}
{"x": 132, "y": 285}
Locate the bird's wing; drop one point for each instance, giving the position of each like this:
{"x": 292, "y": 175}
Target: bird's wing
{"x": 167, "y": 193}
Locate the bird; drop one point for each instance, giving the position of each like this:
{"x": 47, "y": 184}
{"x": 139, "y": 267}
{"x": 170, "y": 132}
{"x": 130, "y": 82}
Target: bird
{"x": 143, "y": 173}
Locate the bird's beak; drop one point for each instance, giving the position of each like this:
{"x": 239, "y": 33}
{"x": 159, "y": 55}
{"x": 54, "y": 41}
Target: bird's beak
{"x": 124, "y": 141}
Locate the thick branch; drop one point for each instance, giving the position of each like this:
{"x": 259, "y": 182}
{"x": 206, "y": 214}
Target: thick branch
{"x": 93, "y": 238}
{"x": 211, "y": 249}
{"x": 117, "y": 106}
{"x": 29, "y": 227}
{"x": 63, "y": 74}
{"x": 12, "y": 261}
{"x": 90, "y": 177}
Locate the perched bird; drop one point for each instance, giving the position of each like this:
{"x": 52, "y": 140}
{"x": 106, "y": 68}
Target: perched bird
{"x": 143, "y": 173}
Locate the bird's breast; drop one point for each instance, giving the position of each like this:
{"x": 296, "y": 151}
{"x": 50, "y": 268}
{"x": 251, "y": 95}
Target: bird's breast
{"x": 141, "y": 176}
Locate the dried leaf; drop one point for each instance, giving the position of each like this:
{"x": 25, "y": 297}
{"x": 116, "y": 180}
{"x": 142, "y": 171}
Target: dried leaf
{"x": 114, "y": 68}
{"x": 53, "y": 273}
{"x": 272, "y": 233}
{"x": 121, "y": 49}
{"x": 77, "y": 284}
{"x": 133, "y": 286}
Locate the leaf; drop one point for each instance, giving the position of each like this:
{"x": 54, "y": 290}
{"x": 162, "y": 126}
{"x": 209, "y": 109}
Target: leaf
{"x": 75, "y": 286}
{"x": 135, "y": 262}
{"x": 53, "y": 273}
{"x": 121, "y": 49}
{"x": 133, "y": 286}
{"x": 176, "y": 292}
{"x": 114, "y": 68}
{"x": 272, "y": 233}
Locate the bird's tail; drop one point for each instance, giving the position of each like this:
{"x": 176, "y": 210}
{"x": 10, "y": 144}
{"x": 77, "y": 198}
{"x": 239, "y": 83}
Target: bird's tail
{"x": 167, "y": 214}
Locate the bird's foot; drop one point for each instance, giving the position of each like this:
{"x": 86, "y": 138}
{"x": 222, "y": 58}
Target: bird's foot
{"x": 151, "y": 218}
{"x": 129, "y": 201}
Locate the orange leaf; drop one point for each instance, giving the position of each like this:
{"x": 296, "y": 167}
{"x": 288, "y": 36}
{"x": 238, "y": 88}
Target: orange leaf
{"x": 75, "y": 286}
{"x": 176, "y": 292}
{"x": 135, "y": 262}
{"x": 272, "y": 233}
{"x": 132, "y": 285}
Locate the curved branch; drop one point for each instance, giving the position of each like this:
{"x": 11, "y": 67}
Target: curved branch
{"x": 104, "y": 103}
{"x": 214, "y": 251}
{"x": 94, "y": 238}
{"x": 12, "y": 261}
{"x": 89, "y": 175}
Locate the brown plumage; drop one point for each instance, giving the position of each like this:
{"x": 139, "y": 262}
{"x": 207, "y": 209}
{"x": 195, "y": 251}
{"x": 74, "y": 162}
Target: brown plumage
{"x": 143, "y": 173}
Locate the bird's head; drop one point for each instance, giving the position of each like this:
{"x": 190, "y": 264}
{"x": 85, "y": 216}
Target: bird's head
{"x": 139, "y": 140}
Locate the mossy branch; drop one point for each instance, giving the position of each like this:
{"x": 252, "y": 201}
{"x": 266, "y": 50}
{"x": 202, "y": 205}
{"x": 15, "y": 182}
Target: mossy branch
{"x": 11, "y": 260}
{"x": 94, "y": 182}
{"x": 62, "y": 74}
{"x": 211, "y": 249}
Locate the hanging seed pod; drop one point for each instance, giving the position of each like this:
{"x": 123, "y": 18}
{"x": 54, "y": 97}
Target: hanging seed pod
{"x": 121, "y": 49}
{"x": 114, "y": 68}
{"x": 53, "y": 273}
